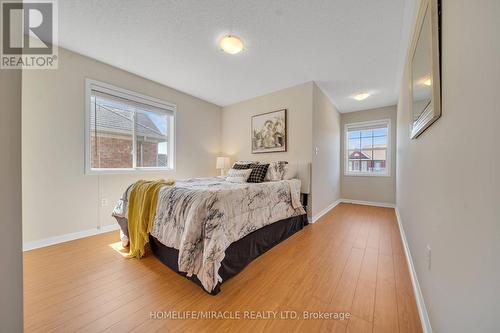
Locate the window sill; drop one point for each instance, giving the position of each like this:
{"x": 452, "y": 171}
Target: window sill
{"x": 367, "y": 175}
{"x": 97, "y": 172}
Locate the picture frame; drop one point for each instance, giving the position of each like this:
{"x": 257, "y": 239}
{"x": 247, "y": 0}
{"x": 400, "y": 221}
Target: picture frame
{"x": 269, "y": 132}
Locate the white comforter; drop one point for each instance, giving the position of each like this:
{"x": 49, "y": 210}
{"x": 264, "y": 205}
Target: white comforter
{"x": 201, "y": 217}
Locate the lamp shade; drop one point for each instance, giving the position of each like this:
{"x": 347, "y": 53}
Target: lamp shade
{"x": 222, "y": 163}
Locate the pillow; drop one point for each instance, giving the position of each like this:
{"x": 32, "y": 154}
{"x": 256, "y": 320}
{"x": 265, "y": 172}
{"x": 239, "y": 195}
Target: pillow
{"x": 258, "y": 173}
{"x": 238, "y": 166}
{"x": 238, "y": 176}
{"x": 276, "y": 171}
{"x": 291, "y": 171}
{"x": 245, "y": 162}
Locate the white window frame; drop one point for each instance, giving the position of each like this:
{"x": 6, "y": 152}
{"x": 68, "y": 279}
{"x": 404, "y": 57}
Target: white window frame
{"x": 135, "y": 97}
{"x": 388, "y": 161}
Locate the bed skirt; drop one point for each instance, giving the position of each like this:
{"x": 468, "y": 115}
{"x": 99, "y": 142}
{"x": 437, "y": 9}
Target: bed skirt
{"x": 240, "y": 253}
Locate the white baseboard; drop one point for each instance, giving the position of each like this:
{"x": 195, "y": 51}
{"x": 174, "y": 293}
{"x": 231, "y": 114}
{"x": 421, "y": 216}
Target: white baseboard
{"x": 68, "y": 237}
{"x": 422, "y": 310}
{"x": 324, "y": 211}
{"x": 368, "y": 203}
{"x": 356, "y": 202}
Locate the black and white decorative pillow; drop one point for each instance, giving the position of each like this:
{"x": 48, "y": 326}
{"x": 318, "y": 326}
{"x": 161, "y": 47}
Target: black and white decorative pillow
{"x": 238, "y": 176}
{"x": 276, "y": 171}
{"x": 245, "y": 162}
{"x": 238, "y": 166}
{"x": 258, "y": 173}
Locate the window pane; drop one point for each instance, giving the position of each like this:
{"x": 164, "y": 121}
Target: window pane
{"x": 379, "y": 166}
{"x": 151, "y": 139}
{"x": 354, "y": 134}
{"x": 128, "y": 131}
{"x": 364, "y": 166}
{"x": 380, "y": 131}
{"x": 354, "y": 166}
{"x": 367, "y": 153}
{"x": 366, "y": 133}
{"x": 355, "y": 144}
{"x": 379, "y": 155}
{"x": 380, "y": 142}
{"x": 366, "y": 143}
{"x": 111, "y": 137}
{"x": 356, "y": 154}
{"x": 379, "y": 163}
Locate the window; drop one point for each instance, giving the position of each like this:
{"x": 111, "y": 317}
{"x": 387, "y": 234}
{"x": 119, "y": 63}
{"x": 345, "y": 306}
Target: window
{"x": 127, "y": 131}
{"x": 367, "y": 148}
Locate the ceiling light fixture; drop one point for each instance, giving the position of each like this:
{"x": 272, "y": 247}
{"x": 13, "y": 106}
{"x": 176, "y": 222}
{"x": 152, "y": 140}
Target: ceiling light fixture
{"x": 231, "y": 44}
{"x": 427, "y": 82}
{"x": 360, "y": 97}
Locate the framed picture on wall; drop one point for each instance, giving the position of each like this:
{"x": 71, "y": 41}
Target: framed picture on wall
{"x": 269, "y": 132}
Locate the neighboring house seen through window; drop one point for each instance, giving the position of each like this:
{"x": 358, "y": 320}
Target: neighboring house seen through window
{"x": 127, "y": 131}
{"x": 367, "y": 148}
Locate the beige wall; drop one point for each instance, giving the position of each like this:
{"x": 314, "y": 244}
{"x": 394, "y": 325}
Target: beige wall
{"x": 326, "y": 163}
{"x": 11, "y": 265}
{"x": 236, "y": 124}
{"x": 448, "y": 183}
{"x": 378, "y": 189}
{"x": 312, "y": 121}
{"x": 57, "y": 197}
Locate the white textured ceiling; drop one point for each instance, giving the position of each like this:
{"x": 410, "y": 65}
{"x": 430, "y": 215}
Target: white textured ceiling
{"x": 347, "y": 46}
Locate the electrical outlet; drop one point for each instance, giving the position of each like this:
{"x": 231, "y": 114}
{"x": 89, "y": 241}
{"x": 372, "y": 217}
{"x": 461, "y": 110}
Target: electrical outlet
{"x": 104, "y": 202}
{"x": 316, "y": 150}
{"x": 428, "y": 257}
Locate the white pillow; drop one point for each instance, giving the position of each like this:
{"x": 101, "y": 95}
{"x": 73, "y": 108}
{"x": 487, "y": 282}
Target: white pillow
{"x": 291, "y": 172}
{"x": 238, "y": 176}
{"x": 276, "y": 171}
{"x": 246, "y": 162}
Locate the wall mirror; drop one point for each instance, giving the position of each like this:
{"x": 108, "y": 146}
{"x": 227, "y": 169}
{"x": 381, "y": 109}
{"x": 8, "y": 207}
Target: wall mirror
{"x": 425, "y": 85}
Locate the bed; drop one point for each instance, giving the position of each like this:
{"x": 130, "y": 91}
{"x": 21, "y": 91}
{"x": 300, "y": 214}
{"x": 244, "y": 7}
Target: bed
{"x": 208, "y": 229}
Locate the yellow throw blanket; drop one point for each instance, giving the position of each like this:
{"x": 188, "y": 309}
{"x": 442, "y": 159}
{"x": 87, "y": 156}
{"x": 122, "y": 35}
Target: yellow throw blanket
{"x": 141, "y": 213}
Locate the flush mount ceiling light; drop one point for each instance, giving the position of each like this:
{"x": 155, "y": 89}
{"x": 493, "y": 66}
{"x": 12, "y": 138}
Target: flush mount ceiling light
{"x": 362, "y": 96}
{"x": 231, "y": 44}
{"x": 427, "y": 82}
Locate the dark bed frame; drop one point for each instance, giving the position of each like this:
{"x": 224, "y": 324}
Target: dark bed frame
{"x": 240, "y": 253}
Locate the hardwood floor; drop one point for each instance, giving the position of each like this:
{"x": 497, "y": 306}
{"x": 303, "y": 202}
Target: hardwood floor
{"x": 351, "y": 260}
